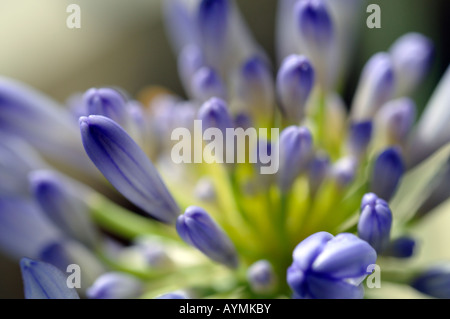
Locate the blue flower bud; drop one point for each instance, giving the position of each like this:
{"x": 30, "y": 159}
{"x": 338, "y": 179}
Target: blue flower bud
{"x": 127, "y": 167}
{"x": 198, "y": 229}
{"x": 344, "y": 171}
{"x": 402, "y": 247}
{"x": 327, "y": 267}
{"x": 261, "y": 277}
{"x": 295, "y": 147}
{"x": 359, "y": 137}
{"x": 43, "y": 123}
{"x": 243, "y": 120}
{"x": 173, "y": 295}
{"x": 115, "y": 285}
{"x": 44, "y": 281}
{"x": 254, "y": 87}
{"x": 17, "y": 159}
{"x": 190, "y": 61}
{"x": 205, "y": 190}
{"x": 315, "y": 23}
{"x": 395, "y": 120}
{"x": 434, "y": 282}
{"x": 387, "y": 172}
{"x": 375, "y": 222}
{"x": 24, "y": 229}
{"x": 207, "y": 84}
{"x": 432, "y": 130}
{"x": 214, "y": 114}
{"x": 316, "y": 30}
{"x": 295, "y": 81}
{"x": 376, "y": 86}
{"x": 412, "y": 55}
{"x": 60, "y": 202}
{"x": 107, "y": 102}
{"x": 213, "y": 18}
{"x": 318, "y": 171}
{"x": 154, "y": 253}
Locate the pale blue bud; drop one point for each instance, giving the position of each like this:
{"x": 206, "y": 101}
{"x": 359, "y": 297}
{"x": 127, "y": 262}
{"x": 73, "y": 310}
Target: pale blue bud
{"x": 198, "y": 229}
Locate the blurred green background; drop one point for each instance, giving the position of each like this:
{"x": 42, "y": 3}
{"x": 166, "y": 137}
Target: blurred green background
{"x": 123, "y": 43}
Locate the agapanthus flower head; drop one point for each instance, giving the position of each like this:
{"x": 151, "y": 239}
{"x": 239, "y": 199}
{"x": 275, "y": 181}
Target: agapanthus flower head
{"x": 314, "y": 196}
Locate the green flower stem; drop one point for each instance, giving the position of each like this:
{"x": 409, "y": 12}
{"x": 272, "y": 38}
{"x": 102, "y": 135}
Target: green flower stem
{"x": 125, "y": 223}
{"x": 139, "y": 273}
{"x": 190, "y": 279}
{"x": 320, "y": 119}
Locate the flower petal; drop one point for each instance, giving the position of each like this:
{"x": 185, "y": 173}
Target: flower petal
{"x": 345, "y": 256}
{"x": 127, "y": 167}
{"x": 44, "y": 281}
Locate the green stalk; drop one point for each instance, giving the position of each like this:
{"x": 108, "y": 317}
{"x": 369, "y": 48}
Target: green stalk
{"x": 125, "y": 223}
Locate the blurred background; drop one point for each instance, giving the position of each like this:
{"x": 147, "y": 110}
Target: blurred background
{"x": 123, "y": 43}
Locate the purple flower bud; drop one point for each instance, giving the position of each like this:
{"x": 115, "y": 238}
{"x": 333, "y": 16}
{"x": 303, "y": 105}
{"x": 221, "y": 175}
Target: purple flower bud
{"x": 254, "y": 87}
{"x": 207, "y": 84}
{"x": 17, "y": 159}
{"x": 180, "y": 24}
{"x": 115, "y": 285}
{"x": 315, "y": 23}
{"x": 44, "y": 281}
{"x": 127, "y": 167}
{"x": 198, "y": 229}
{"x": 24, "y": 229}
{"x": 107, "y": 102}
{"x": 213, "y": 19}
{"x": 173, "y": 295}
{"x": 318, "y": 171}
{"x": 434, "y": 282}
{"x": 63, "y": 206}
{"x": 243, "y": 120}
{"x": 295, "y": 147}
{"x": 295, "y": 81}
{"x": 412, "y": 55}
{"x": 154, "y": 253}
{"x": 387, "y": 172}
{"x": 190, "y": 61}
{"x": 375, "y": 222}
{"x": 327, "y": 267}
{"x": 432, "y": 130}
{"x": 317, "y": 34}
{"x": 402, "y": 247}
{"x": 359, "y": 137}
{"x": 396, "y": 118}
{"x": 214, "y": 114}
{"x": 344, "y": 171}
{"x": 261, "y": 277}
{"x": 376, "y": 86}
{"x": 43, "y": 123}
{"x": 205, "y": 190}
